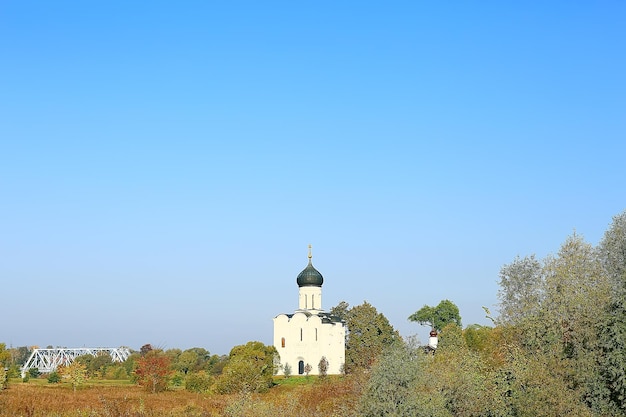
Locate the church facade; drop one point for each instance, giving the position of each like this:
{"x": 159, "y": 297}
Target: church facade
{"x": 303, "y": 338}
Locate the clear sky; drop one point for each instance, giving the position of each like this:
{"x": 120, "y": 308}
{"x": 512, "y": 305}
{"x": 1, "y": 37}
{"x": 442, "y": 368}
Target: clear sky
{"x": 164, "y": 165}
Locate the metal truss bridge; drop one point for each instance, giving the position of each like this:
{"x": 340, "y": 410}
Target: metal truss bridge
{"x": 47, "y": 360}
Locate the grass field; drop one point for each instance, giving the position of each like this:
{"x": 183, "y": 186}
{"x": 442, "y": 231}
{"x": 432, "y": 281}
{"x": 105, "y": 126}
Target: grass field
{"x": 304, "y": 397}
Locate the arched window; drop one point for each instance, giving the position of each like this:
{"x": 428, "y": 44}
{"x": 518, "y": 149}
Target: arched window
{"x": 315, "y": 334}
{"x": 313, "y": 301}
{"x": 300, "y": 367}
{"x": 282, "y": 342}
{"x": 301, "y": 334}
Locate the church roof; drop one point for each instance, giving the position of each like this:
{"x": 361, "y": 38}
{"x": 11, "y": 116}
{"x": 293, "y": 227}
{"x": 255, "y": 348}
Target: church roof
{"x": 310, "y": 277}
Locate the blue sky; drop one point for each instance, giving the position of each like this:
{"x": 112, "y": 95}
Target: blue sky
{"x": 164, "y": 166}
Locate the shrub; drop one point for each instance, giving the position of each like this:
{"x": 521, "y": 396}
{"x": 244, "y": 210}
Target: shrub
{"x": 322, "y": 367}
{"x": 54, "y": 377}
{"x": 287, "y": 370}
{"x": 198, "y": 382}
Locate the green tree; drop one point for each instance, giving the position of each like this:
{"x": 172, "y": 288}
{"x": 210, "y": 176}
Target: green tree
{"x": 401, "y": 384}
{"x": 612, "y": 251}
{"x": 368, "y": 333}
{"x": 611, "y": 384}
{"x": 556, "y": 323}
{"x": 198, "y": 382}
{"x": 521, "y": 289}
{"x": 34, "y": 373}
{"x": 287, "y": 370}
{"x": 153, "y": 371}
{"x": 193, "y": 360}
{"x": 250, "y": 368}
{"x": 5, "y": 356}
{"x": 4, "y": 378}
{"x": 341, "y": 310}
{"x": 437, "y": 317}
{"x": 322, "y": 367}
{"x": 54, "y": 377}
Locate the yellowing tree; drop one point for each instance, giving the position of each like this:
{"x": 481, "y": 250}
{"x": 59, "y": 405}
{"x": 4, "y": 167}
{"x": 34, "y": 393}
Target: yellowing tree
{"x": 75, "y": 373}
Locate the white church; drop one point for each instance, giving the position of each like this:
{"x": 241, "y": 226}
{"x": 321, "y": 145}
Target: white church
{"x": 310, "y": 333}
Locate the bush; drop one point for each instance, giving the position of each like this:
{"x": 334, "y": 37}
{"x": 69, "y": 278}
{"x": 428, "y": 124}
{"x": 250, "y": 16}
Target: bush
{"x": 54, "y": 378}
{"x": 287, "y": 370}
{"x": 198, "y": 382}
{"x": 323, "y": 367}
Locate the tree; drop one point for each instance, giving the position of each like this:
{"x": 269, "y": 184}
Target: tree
{"x": 75, "y": 372}
{"x": 612, "y": 251}
{"x": 5, "y": 355}
{"x": 198, "y": 382}
{"x": 250, "y": 368}
{"x": 612, "y": 329}
{"x": 322, "y": 367}
{"x": 341, "y": 310}
{"x": 153, "y": 370}
{"x": 54, "y": 377}
{"x": 437, "y": 317}
{"x": 4, "y": 378}
{"x": 287, "y": 370}
{"x": 521, "y": 289}
{"x": 368, "y": 333}
{"x": 399, "y": 386}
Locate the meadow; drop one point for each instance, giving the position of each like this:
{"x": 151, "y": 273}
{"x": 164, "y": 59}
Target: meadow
{"x": 294, "y": 396}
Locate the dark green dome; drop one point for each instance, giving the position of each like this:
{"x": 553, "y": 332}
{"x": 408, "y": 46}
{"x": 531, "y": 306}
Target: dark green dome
{"x": 310, "y": 277}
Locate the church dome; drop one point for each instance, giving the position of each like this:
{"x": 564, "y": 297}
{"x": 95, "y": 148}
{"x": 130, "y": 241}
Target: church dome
{"x": 310, "y": 277}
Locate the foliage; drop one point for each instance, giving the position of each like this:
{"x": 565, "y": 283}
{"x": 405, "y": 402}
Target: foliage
{"x": 75, "y": 373}
{"x": 250, "y": 368}
{"x": 521, "y": 289}
{"x": 287, "y": 370}
{"x": 322, "y": 367}
{"x": 397, "y": 386}
{"x": 96, "y": 366}
{"x": 153, "y": 371}
{"x": 437, "y": 317}
{"x": 369, "y": 332}
{"x": 198, "y": 382}
{"x": 341, "y": 310}
{"x": 5, "y": 356}
{"x": 34, "y": 373}
{"x": 54, "y": 377}
{"x": 4, "y": 378}
{"x": 193, "y": 360}
{"x": 612, "y": 251}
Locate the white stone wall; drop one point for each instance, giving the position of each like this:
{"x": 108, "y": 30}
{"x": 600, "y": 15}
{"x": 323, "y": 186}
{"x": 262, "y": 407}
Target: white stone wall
{"x": 307, "y": 339}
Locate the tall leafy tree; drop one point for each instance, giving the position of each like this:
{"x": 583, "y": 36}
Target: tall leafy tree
{"x": 612, "y": 250}
{"x": 439, "y": 316}
{"x": 368, "y": 333}
{"x": 611, "y": 384}
{"x": 521, "y": 289}
{"x": 398, "y": 386}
